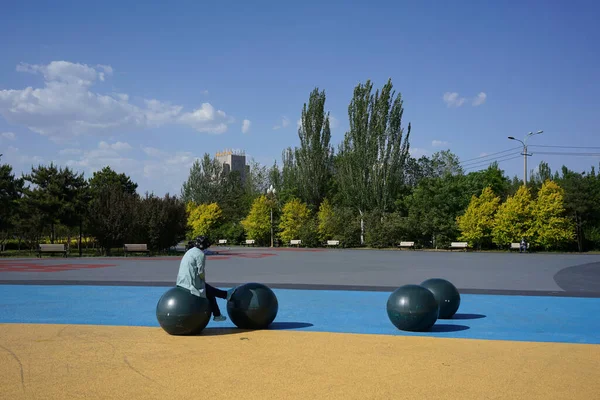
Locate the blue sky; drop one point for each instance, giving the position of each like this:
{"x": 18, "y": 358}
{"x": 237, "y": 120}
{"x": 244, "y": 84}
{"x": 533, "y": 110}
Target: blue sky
{"x": 147, "y": 87}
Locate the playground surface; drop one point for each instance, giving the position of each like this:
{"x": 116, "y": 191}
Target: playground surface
{"x": 527, "y": 327}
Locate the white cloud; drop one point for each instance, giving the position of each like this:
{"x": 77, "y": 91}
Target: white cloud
{"x": 246, "y": 126}
{"x": 452, "y": 99}
{"x": 118, "y": 146}
{"x": 479, "y": 99}
{"x": 7, "y": 135}
{"x": 284, "y": 123}
{"x": 66, "y": 106}
{"x": 18, "y": 160}
{"x": 439, "y": 143}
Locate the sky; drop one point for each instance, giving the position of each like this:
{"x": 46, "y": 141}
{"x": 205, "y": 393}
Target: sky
{"x": 146, "y": 88}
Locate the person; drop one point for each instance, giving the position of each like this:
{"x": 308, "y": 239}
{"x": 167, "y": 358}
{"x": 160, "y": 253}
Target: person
{"x": 192, "y": 276}
{"x": 523, "y": 245}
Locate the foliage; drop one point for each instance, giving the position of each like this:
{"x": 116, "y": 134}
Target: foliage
{"x": 372, "y": 155}
{"x": 314, "y": 157}
{"x": 513, "y": 219}
{"x": 161, "y": 221}
{"x": 10, "y": 194}
{"x": 477, "y": 222}
{"x": 295, "y": 215}
{"x": 550, "y": 228}
{"x": 202, "y": 219}
{"x": 257, "y": 224}
{"x": 326, "y": 221}
{"x": 205, "y": 181}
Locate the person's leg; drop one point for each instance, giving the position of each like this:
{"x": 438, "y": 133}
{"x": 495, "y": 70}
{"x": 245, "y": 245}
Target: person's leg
{"x": 212, "y": 293}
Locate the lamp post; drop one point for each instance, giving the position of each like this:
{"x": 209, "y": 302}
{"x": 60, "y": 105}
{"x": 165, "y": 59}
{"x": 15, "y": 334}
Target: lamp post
{"x": 524, "y": 143}
{"x": 271, "y": 191}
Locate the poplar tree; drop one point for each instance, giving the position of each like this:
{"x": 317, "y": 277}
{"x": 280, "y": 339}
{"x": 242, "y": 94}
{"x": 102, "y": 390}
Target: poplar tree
{"x": 372, "y": 156}
{"x": 314, "y": 157}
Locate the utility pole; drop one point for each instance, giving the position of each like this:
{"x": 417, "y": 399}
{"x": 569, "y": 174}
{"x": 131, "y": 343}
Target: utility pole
{"x": 524, "y": 153}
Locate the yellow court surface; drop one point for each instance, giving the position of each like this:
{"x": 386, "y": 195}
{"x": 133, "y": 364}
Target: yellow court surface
{"x": 53, "y": 362}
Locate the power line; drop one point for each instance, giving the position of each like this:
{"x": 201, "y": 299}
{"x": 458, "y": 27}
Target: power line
{"x": 568, "y": 154}
{"x": 498, "y": 161}
{"x": 564, "y": 147}
{"x": 474, "y": 163}
{"x": 489, "y": 155}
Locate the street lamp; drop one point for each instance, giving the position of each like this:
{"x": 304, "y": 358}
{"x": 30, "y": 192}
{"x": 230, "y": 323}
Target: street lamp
{"x": 524, "y": 143}
{"x": 271, "y": 190}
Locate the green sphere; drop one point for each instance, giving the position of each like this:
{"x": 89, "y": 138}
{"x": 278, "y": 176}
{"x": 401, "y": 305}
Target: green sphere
{"x": 412, "y": 308}
{"x": 446, "y": 294}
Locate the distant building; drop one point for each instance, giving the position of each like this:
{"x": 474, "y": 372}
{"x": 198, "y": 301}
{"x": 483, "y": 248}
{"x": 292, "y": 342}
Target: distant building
{"x": 234, "y": 161}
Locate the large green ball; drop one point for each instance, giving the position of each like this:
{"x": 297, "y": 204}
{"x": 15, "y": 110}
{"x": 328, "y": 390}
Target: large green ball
{"x": 446, "y": 294}
{"x": 252, "y": 306}
{"x": 181, "y": 313}
{"x": 412, "y": 308}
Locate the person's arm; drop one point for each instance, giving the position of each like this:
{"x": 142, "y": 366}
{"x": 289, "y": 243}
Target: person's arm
{"x": 201, "y": 263}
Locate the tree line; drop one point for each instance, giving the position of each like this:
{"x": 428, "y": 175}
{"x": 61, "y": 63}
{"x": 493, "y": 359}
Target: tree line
{"x": 369, "y": 191}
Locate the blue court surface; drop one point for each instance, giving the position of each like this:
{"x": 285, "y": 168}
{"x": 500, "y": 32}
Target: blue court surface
{"x": 520, "y": 318}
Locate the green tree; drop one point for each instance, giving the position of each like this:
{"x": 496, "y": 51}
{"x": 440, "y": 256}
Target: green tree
{"x": 162, "y": 222}
{"x": 47, "y": 195}
{"x": 295, "y": 214}
{"x": 10, "y": 193}
{"x": 112, "y": 216}
{"x": 371, "y": 158}
{"x": 107, "y": 178}
{"x": 550, "y": 227}
{"x": 314, "y": 157}
{"x": 205, "y": 181}
{"x": 477, "y": 222}
{"x": 257, "y": 223}
{"x": 513, "y": 219}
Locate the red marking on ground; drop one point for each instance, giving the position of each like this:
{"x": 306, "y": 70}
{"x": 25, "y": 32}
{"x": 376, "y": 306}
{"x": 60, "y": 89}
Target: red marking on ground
{"x": 7, "y": 266}
{"x": 297, "y": 249}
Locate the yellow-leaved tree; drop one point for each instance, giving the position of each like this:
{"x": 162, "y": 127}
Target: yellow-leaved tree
{"x": 202, "y": 218}
{"x": 477, "y": 222}
{"x": 326, "y": 218}
{"x": 257, "y": 223}
{"x": 294, "y": 215}
{"x": 513, "y": 219}
{"x": 550, "y": 227}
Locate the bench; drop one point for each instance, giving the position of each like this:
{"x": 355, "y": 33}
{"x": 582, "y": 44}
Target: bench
{"x": 181, "y": 246}
{"x": 333, "y": 243}
{"x": 52, "y": 248}
{"x": 295, "y": 242}
{"x": 222, "y": 242}
{"x": 250, "y": 242}
{"x": 136, "y": 248}
{"x": 407, "y": 244}
{"x": 459, "y": 245}
{"x": 517, "y": 246}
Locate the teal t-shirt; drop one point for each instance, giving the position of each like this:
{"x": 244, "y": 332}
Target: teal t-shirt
{"x": 191, "y": 273}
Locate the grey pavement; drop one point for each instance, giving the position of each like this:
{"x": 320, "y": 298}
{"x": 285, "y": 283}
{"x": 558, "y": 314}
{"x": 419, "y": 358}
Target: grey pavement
{"x": 339, "y": 267}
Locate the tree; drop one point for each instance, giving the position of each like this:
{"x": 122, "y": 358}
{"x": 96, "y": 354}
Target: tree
{"x": 478, "y": 220}
{"x": 326, "y": 221}
{"x": 514, "y": 218}
{"x": 107, "y": 178}
{"x": 203, "y": 218}
{"x": 295, "y": 214}
{"x": 47, "y": 194}
{"x": 371, "y": 158}
{"x": 162, "y": 222}
{"x": 314, "y": 157}
{"x": 258, "y": 222}
{"x": 112, "y": 216}
{"x": 204, "y": 183}
{"x": 550, "y": 227}
{"x": 10, "y": 194}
